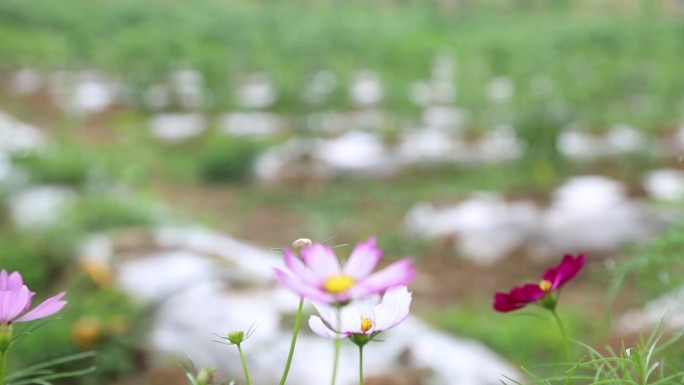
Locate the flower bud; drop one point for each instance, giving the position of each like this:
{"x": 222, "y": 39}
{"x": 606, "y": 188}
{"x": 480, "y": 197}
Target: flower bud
{"x": 236, "y": 336}
{"x": 301, "y": 243}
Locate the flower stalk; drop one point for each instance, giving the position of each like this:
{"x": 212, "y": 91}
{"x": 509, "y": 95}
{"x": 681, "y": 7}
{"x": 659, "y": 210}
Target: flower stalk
{"x": 295, "y": 332}
{"x": 3, "y": 366}
{"x": 562, "y": 331}
{"x": 360, "y": 364}
{"x": 244, "y": 365}
{"x": 336, "y": 359}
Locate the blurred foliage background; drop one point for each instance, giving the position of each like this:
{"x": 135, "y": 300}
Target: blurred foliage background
{"x": 585, "y": 62}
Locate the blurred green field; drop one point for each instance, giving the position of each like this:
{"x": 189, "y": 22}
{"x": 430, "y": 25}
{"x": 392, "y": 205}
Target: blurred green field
{"x": 604, "y": 68}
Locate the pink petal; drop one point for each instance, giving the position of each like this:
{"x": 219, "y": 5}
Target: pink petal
{"x": 363, "y": 259}
{"x": 47, "y": 308}
{"x": 14, "y": 281}
{"x": 3, "y": 279}
{"x": 321, "y": 260}
{"x": 10, "y": 282}
{"x": 301, "y": 288}
{"x": 12, "y": 303}
{"x": 399, "y": 273}
{"x": 298, "y": 268}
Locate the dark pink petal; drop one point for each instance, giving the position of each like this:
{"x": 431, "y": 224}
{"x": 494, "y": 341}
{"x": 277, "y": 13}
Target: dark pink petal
{"x": 565, "y": 271}
{"x": 12, "y": 303}
{"x": 399, "y": 273}
{"x": 363, "y": 259}
{"x": 503, "y": 302}
{"x": 47, "y": 308}
{"x": 321, "y": 260}
{"x": 518, "y": 297}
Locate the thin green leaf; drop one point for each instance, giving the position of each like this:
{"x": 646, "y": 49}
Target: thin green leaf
{"x": 34, "y": 368}
{"x": 41, "y": 379}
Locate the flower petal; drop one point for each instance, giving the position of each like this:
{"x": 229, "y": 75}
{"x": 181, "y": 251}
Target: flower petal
{"x": 351, "y": 316}
{"x": 47, "y": 308}
{"x": 327, "y": 313}
{"x": 12, "y": 303}
{"x": 399, "y": 273}
{"x": 363, "y": 259}
{"x": 517, "y": 298}
{"x": 301, "y": 288}
{"x": 298, "y": 268}
{"x": 321, "y": 260}
{"x": 393, "y": 309}
{"x": 10, "y": 282}
{"x": 565, "y": 271}
{"x": 14, "y": 281}
{"x": 318, "y": 327}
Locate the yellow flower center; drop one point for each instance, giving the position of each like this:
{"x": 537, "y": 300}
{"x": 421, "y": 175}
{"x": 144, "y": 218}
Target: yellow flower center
{"x": 545, "y": 286}
{"x": 366, "y": 324}
{"x": 338, "y": 283}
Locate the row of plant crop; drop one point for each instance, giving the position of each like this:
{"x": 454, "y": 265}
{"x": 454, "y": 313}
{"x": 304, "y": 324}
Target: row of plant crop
{"x": 600, "y": 69}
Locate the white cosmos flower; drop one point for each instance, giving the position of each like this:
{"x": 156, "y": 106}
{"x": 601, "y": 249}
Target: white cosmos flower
{"x": 368, "y": 317}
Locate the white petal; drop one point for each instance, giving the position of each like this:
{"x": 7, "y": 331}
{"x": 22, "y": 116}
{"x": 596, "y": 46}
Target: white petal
{"x": 317, "y": 326}
{"x": 393, "y": 309}
{"x": 352, "y": 315}
{"x": 327, "y": 313}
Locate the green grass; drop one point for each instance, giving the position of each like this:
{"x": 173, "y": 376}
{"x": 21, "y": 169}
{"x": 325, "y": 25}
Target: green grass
{"x": 530, "y": 337}
{"x": 605, "y": 69}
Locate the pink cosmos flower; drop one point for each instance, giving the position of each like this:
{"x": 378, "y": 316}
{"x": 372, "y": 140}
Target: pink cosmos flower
{"x": 553, "y": 279}
{"x": 318, "y": 276}
{"x": 362, "y": 319}
{"x": 15, "y": 299}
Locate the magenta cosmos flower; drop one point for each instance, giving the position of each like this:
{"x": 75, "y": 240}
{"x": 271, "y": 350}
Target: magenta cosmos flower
{"x": 319, "y": 276}
{"x": 553, "y": 279}
{"x": 15, "y": 300}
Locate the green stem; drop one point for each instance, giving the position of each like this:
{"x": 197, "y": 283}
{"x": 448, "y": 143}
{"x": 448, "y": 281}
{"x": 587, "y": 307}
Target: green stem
{"x": 562, "y": 330}
{"x": 295, "y": 332}
{"x": 360, "y": 364}
{"x": 3, "y": 366}
{"x": 338, "y": 343}
{"x": 244, "y": 365}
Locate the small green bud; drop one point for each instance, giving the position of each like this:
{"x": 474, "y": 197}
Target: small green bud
{"x": 236, "y": 336}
